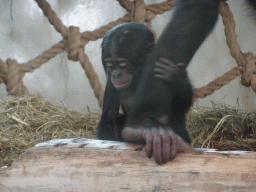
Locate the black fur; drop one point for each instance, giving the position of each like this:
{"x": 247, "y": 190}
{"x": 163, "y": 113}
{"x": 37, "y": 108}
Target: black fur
{"x": 192, "y": 21}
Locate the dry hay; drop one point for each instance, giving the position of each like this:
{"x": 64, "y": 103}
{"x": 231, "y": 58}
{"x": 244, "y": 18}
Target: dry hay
{"x": 28, "y": 120}
{"x": 223, "y": 128}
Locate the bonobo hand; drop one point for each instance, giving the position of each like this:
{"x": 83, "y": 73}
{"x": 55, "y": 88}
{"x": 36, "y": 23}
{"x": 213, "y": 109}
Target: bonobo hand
{"x": 165, "y": 69}
{"x": 163, "y": 144}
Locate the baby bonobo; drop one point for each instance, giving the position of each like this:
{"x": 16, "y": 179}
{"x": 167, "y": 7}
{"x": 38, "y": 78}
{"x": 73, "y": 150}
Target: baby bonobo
{"x": 125, "y": 49}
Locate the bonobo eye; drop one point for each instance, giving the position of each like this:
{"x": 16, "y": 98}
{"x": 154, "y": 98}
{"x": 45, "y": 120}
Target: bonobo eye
{"x": 110, "y": 65}
{"x": 123, "y": 65}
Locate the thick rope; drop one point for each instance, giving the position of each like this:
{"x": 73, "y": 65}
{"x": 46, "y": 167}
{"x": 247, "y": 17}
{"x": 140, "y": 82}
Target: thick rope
{"x": 140, "y": 14}
{"x": 158, "y": 9}
{"x": 146, "y": 13}
{"x": 14, "y": 80}
{"x": 246, "y": 62}
{"x": 151, "y": 10}
{"x": 217, "y": 83}
{"x": 249, "y": 71}
{"x": 76, "y": 52}
{"x": 78, "y": 41}
{"x": 228, "y": 21}
{"x": 127, "y": 4}
{"x": 73, "y": 47}
{"x": 100, "y": 32}
{"x": 43, "y": 58}
{"x": 3, "y": 72}
{"x": 52, "y": 17}
{"x": 11, "y": 73}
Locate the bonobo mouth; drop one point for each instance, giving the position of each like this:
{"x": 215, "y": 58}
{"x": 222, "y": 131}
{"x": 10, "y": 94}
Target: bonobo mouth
{"x": 123, "y": 84}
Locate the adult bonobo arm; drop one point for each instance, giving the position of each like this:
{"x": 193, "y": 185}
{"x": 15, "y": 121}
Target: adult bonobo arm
{"x": 158, "y": 135}
{"x": 175, "y": 75}
{"x": 158, "y": 111}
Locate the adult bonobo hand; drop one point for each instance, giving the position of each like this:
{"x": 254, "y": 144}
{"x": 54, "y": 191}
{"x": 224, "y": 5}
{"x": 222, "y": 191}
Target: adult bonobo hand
{"x": 164, "y": 144}
{"x": 161, "y": 143}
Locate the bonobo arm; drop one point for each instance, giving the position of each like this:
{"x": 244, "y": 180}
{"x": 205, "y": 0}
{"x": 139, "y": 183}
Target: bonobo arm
{"x": 192, "y": 21}
{"x": 108, "y": 128}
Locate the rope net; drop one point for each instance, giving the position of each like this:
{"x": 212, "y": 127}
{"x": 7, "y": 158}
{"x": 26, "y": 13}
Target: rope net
{"x": 74, "y": 41}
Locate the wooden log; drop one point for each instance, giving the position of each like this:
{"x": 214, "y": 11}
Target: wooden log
{"x": 92, "y": 165}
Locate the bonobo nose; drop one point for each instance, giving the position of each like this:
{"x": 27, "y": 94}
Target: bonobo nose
{"x": 117, "y": 75}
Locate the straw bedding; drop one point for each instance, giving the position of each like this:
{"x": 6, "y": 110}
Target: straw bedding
{"x": 31, "y": 119}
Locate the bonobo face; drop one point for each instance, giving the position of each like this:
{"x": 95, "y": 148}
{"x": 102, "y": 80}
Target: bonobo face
{"x": 121, "y": 72}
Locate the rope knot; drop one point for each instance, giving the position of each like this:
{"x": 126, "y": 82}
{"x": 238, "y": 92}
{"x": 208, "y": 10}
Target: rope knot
{"x": 14, "y": 82}
{"x": 3, "y": 71}
{"x": 74, "y": 43}
{"x": 140, "y": 14}
{"x": 249, "y": 71}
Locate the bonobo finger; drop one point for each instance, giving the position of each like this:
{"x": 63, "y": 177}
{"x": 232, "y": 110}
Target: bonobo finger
{"x": 162, "y": 66}
{"x": 158, "y": 76}
{"x": 158, "y": 65}
{"x": 166, "y": 61}
{"x": 166, "y": 146}
{"x": 159, "y": 71}
{"x": 181, "y": 66}
{"x": 182, "y": 145}
{"x": 157, "y": 147}
{"x": 174, "y": 145}
{"x": 149, "y": 143}
{"x": 166, "y": 67}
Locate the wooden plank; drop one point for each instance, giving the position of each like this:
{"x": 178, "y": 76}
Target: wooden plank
{"x": 91, "y": 165}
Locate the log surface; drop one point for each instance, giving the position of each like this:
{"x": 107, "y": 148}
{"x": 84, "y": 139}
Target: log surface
{"x": 91, "y": 165}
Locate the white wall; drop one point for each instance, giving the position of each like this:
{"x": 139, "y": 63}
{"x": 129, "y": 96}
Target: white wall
{"x": 29, "y": 34}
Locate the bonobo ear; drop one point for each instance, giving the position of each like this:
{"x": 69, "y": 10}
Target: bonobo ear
{"x": 150, "y": 48}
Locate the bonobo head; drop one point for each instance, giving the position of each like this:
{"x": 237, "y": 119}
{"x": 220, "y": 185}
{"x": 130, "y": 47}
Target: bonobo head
{"x": 124, "y": 52}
